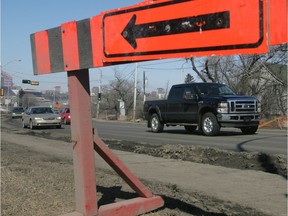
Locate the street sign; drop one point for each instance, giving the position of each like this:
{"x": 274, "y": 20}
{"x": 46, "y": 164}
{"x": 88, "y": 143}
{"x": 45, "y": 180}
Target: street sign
{"x": 34, "y": 83}
{"x": 161, "y": 29}
{"x": 184, "y": 28}
{"x": 150, "y": 30}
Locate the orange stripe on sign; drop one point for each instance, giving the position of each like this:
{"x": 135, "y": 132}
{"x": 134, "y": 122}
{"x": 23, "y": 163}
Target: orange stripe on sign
{"x": 97, "y": 40}
{"x": 42, "y": 52}
{"x": 278, "y": 22}
{"x": 70, "y": 46}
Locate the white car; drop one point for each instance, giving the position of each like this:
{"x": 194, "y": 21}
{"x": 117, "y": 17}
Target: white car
{"x": 17, "y": 112}
{"x": 40, "y": 116}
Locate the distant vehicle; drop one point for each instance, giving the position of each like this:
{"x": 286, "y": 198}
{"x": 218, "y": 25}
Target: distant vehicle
{"x": 40, "y": 116}
{"x": 17, "y": 112}
{"x": 65, "y": 115}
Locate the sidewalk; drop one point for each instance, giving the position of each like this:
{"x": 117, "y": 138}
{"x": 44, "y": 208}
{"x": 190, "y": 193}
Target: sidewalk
{"x": 263, "y": 191}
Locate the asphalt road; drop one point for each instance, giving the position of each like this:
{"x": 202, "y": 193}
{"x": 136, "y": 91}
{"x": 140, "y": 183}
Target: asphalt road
{"x": 270, "y": 141}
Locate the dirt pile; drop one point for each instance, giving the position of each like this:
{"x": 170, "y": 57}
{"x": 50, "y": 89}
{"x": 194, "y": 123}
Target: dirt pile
{"x": 275, "y": 164}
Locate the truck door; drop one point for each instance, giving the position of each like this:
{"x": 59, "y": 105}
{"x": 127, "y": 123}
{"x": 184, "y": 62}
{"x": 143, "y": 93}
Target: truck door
{"x": 189, "y": 108}
{"x": 174, "y": 104}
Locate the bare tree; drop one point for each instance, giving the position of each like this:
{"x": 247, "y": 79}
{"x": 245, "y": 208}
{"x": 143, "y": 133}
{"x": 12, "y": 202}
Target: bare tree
{"x": 121, "y": 88}
{"x": 263, "y": 76}
{"x": 29, "y": 100}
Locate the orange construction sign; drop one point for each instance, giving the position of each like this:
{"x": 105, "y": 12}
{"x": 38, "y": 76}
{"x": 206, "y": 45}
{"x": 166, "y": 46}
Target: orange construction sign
{"x": 161, "y": 29}
{"x": 278, "y": 22}
{"x": 153, "y": 29}
{"x": 185, "y": 28}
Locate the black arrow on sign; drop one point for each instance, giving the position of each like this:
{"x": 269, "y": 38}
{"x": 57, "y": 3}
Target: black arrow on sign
{"x": 199, "y": 23}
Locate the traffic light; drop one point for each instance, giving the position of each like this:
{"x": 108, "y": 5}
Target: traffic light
{"x": 99, "y": 96}
{"x": 26, "y": 81}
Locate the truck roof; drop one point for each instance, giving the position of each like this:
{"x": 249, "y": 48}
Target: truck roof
{"x": 198, "y": 83}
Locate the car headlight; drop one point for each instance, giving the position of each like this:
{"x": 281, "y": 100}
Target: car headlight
{"x": 222, "y": 107}
{"x": 59, "y": 118}
{"x": 38, "y": 118}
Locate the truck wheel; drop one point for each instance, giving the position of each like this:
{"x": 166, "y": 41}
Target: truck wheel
{"x": 210, "y": 126}
{"x": 156, "y": 125}
{"x": 190, "y": 129}
{"x": 249, "y": 130}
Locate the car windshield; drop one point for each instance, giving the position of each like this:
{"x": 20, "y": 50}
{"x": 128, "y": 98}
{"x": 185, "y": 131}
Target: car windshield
{"x": 41, "y": 110}
{"x": 209, "y": 89}
{"x": 18, "y": 109}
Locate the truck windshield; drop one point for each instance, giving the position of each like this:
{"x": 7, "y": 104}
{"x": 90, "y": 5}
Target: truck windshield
{"x": 209, "y": 89}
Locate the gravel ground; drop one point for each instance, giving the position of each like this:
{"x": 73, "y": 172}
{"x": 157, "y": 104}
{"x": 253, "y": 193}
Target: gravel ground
{"x": 34, "y": 183}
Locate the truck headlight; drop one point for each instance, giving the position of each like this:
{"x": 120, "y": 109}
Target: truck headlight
{"x": 59, "y": 117}
{"x": 258, "y": 107}
{"x": 222, "y": 107}
{"x": 38, "y": 118}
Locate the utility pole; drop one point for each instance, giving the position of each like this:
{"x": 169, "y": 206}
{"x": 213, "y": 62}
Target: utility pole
{"x": 182, "y": 72}
{"x": 166, "y": 91}
{"x": 98, "y": 101}
{"x": 144, "y": 86}
{"x": 135, "y": 92}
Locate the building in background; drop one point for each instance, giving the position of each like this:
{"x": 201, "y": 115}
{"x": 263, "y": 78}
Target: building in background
{"x": 95, "y": 91}
{"x": 6, "y": 84}
{"x": 161, "y": 93}
{"x": 57, "y": 89}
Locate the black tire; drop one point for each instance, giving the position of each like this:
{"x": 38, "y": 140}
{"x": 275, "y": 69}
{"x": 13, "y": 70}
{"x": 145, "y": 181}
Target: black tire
{"x": 189, "y": 128}
{"x": 249, "y": 130}
{"x": 156, "y": 125}
{"x": 209, "y": 124}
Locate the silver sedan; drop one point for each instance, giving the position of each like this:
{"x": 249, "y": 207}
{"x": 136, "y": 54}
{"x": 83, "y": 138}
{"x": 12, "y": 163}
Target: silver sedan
{"x": 40, "y": 116}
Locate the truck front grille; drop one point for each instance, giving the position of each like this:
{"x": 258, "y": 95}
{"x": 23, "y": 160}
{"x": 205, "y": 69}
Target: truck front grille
{"x": 245, "y": 106}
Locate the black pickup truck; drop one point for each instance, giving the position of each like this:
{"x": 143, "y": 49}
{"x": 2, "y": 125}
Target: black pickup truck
{"x": 208, "y": 106}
